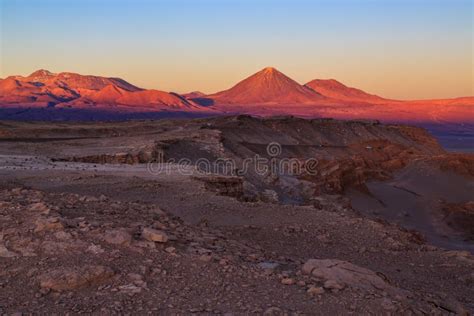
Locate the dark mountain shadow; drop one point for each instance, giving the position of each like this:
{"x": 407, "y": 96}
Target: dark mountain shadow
{"x": 181, "y": 97}
{"x": 203, "y": 101}
{"x": 64, "y": 114}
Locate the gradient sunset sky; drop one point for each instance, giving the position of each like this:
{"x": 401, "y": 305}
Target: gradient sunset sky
{"x": 405, "y": 49}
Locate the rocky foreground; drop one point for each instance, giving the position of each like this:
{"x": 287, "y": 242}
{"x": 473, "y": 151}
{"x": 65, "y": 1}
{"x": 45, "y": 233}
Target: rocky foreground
{"x": 81, "y": 235}
{"x": 84, "y": 254}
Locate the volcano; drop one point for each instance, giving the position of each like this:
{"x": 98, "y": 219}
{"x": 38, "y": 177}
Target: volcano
{"x": 333, "y": 89}
{"x": 268, "y": 86}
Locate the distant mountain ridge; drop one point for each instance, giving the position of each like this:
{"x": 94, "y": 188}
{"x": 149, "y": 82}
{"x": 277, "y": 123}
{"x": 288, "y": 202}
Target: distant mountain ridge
{"x": 70, "y": 90}
{"x": 46, "y": 95}
{"x": 78, "y": 81}
{"x": 332, "y": 88}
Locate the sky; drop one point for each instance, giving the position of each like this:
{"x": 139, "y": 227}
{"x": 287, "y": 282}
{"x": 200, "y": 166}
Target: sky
{"x": 403, "y": 49}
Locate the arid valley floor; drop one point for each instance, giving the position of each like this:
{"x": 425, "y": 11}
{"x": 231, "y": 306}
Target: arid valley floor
{"x": 384, "y": 224}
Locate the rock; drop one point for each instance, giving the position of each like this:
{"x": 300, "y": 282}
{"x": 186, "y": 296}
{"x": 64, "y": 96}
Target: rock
{"x": 62, "y": 235}
{"x": 130, "y": 289}
{"x": 223, "y": 185}
{"x": 333, "y": 285}
{"x": 64, "y": 279}
{"x": 205, "y": 258}
{"x": 5, "y": 253}
{"x": 17, "y": 191}
{"x": 268, "y": 265}
{"x": 273, "y": 311}
{"x": 39, "y": 207}
{"x": 146, "y": 244}
{"x": 26, "y": 247}
{"x": 154, "y": 235}
{"x": 48, "y": 224}
{"x": 224, "y": 262}
{"x": 460, "y": 216}
{"x": 158, "y": 211}
{"x": 95, "y": 249}
{"x": 158, "y": 225}
{"x": 460, "y": 255}
{"x": 137, "y": 279}
{"x": 269, "y": 196}
{"x": 287, "y": 281}
{"x": 313, "y": 290}
{"x": 118, "y": 237}
{"x": 170, "y": 249}
{"x": 337, "y": 274}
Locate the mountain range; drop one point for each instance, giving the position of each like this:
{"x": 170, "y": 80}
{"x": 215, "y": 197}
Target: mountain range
{"x": 267, "y": 92}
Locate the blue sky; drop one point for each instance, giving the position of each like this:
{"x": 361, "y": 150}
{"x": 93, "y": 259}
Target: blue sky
{"x": 401, "y": 49}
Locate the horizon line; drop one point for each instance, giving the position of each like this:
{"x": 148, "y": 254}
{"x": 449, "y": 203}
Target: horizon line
{"x": 215, "y": 92}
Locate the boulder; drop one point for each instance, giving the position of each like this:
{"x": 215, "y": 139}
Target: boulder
{"x": 64, "y": 279}
{"x": 39, "y": 207}
{"x": 118, "y": 237}
{"x": 154, "y": 235}
{"x": 313, "y": 290}
{"x": 48, "y": 224}
{"x": 5, "y": 253}
{"x": 337, "y": 274}
{"x": 287, "y": 281}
